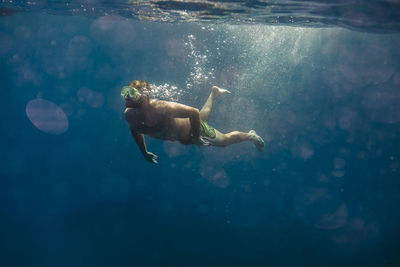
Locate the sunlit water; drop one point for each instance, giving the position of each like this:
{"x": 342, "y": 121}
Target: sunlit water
{"x": 318, "y": 81}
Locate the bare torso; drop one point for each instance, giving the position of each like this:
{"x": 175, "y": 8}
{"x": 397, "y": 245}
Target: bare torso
{"x": 153, "y": 121}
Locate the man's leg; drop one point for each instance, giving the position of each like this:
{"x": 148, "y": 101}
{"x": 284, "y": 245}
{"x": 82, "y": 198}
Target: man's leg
{"x": 238, "y": 137}
{"x": 206, "y": 109}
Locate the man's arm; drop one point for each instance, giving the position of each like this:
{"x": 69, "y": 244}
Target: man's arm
{"x": 139, "y": 138}
{"x": 176, "y": 110}
{"x": 194, "y": 116}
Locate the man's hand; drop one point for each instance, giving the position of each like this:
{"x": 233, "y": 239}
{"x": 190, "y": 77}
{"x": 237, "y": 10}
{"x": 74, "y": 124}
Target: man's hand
{"x": 150, "y": 157}
{"x": 192, "y": 139}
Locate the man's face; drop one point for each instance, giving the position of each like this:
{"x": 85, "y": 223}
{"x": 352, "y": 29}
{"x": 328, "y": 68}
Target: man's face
{"x": 134, "y": 103}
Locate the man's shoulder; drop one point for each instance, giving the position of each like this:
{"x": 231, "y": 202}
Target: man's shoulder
{"x": 162, "y": 103}
{"x": 169, "y": 108}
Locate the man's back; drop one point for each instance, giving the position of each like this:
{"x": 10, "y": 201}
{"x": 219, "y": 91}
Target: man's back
{"x": 157, "y": 119}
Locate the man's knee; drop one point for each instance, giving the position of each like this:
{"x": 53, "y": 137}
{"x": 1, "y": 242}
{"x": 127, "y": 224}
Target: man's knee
{"x": 205, "y": 110}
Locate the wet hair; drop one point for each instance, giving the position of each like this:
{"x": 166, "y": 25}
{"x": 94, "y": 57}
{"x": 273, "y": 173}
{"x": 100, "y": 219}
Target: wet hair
{"x": 141, "y": 85}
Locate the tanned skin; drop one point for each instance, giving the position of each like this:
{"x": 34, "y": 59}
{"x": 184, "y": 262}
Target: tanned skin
{"x": 175, "y": 122}
{"x": 162, "y": 120}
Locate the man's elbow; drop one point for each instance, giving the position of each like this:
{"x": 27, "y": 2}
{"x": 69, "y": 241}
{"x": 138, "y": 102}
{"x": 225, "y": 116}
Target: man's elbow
{"x": 194, "y": 113}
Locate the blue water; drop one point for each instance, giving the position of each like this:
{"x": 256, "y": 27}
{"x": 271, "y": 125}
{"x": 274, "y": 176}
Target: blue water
{"x": 323, "y": 92}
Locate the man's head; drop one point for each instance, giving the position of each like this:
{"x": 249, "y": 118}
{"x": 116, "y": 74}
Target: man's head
{"x": 136, "y": 93}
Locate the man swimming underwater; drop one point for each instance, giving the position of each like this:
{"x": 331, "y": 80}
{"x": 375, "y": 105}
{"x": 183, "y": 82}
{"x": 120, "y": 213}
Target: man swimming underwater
{"x": 176, "y": 122}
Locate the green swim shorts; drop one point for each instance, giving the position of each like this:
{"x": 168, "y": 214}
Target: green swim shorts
{"x": 207, "y": 130}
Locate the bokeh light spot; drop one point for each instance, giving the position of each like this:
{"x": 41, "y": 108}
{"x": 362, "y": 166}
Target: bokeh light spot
{"x": 47, "y": 116}
{"x": 321, "y": 208}
{"x": 95, "y": 99}
{"x": 339, "y": 163}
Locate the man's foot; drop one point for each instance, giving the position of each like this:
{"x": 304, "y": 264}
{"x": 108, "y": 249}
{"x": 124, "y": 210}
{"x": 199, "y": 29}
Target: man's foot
{"x": 257, "y": 140}
{"x": 219, "y": 91}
